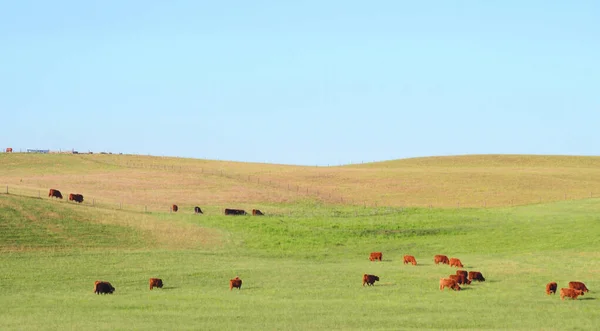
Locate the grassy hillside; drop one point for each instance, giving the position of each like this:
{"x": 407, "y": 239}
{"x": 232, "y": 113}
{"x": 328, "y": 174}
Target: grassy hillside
{"x": 156, "y": 182}
{"x": 300, "y": 272}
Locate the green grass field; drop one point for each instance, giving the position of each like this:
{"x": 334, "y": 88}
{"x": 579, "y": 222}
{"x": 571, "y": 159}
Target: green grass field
{"x": 301, "y": 267}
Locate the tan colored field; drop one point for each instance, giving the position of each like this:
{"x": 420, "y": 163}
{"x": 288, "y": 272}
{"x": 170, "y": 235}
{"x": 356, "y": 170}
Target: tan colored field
{"x": 157, "y": 182}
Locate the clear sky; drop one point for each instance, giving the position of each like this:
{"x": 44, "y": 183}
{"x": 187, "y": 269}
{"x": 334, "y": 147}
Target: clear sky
{"x": 301, "y": 82}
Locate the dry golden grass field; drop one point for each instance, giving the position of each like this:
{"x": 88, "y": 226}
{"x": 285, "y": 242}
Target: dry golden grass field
{"x": 154, "y": 183}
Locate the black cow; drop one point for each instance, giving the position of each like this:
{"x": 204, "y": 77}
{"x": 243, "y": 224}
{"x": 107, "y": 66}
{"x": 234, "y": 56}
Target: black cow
{"x": 197, "y": 210}
{"x": 235, "y": 212}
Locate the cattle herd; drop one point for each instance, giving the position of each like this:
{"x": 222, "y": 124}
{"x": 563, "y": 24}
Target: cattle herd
{"x": 462, "y": 277}
{"x": 54, "y": 193}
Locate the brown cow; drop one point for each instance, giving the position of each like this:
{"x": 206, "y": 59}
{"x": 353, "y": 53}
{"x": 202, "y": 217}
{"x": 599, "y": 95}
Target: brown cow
{"x": 476, "y": 275}
{"x": 551, "y": 288}
{"x": 410, "y": 259}
{"x": 235, "y": 212}
{"x": 441, "y": 259}
{"x": 375, "y": 256}
{"x": 569, "y": 292}
{"x": 9, "y": 150}
{"x": 257, "y": 212}
{"x": 447, "y": 282}
{"x": 369, "y": 280}
{"x": 197, "y": 210}
{"x": 55, "y": 194}
{"x": 76, "y": 197}
{"x": 578, "y": 286}
{"x": 462, "y": 272}
{"x": 156, "y": 282}
{"x": 460, "y": 279}
{"x": 454, "y": 262}
{"x": 236, "y": 282}
{"x": 174, "y": 208}
{"x": 101, "y": 287}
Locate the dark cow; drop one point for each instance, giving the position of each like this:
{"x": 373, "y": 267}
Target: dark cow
{"x": 476, "y": 275}
{"x": 101, "y": 287}
{"x": 156, "y": 282}
{"x": 441, "y": 259}
{"x": 174, "y": 208}
{"x": 462, "y": 272}
{"x": 460, "y": 279}
{"x": 55, "y": 194}
{"x": 197, "y": 210}
{"x": 410, "y": 259}
{"x": 551, "y": 288}
{"x": 76, "y": 197}
{"x": 578, "y": 286}
{"x": 370, "y": 280}
{"x": 236, "y": 282}
{"x": 376, "y": 256}
{"x": 450, "y": 283}
{"x": 235, "y": 212}
{"x": 569, "y": 292}
{"x": 257, "y": 212}
{"x": 454, "y": 262}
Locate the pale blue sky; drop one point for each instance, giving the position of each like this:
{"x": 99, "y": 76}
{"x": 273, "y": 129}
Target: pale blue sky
{"x": 303, "y": 82}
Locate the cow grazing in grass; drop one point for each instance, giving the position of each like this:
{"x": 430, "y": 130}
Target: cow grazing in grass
{"x": 570, "y": 293}
{"x": 236, "y": 282}
{"x": 369, "y": 280}
{"x": 450, "y": 283}
{"x": 76, "y": 197}
{"x": 409, "y": 259}
{"x": 441, "y": 259}
{"x": 174, "y": 208}
{"x": 197, "y": 210}
{"x": 156, "y": 282}
{"x": 551, "y": 288}
{"x": 454, "y": 262}
{"x": 101, "y": 287}
{"x": 462, "y": 272}
{"x": 578, "y": 286}
{"x": 460, "y": 279}
{"x": 476, "y": 275}
{"x": 55, "y": 194}
{"x": 375, "y": 256}
{"x": 235, "y": 212}
{"x": 257, "y": 212}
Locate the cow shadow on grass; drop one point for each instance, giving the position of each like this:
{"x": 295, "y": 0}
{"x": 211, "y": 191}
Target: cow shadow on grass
{"x": 169, "y": 288}
{"x": 586, "y": 298}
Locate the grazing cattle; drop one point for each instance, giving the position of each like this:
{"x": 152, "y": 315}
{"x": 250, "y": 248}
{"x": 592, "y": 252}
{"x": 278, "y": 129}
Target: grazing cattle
{"x": 578, "y": 286}
{"x": 236, "y": 282}
{"x": 55, "y": 194}
{"x": 76, "y": 197}
{"x": 476, "y": 275}
{"x": 460, "y": 279}
{"x": 551, "y": 288}
{"x": 9, "y": 150}
{"x": 450, "y": 283}
{"x": 197, "y": 210}
{"x": 174, "y": 208}
{"x": 569, "y": 292}
{"x": 441, "y": 259}
{"x": 156, "y": 282}
{"x": 454, "y": 262}
{"x": 410, "y": 259}
{"x": 370, "y": 280}
{"x": 375, "y": 256}
{"x": 101, "y": 287}
{"x": 257, "y": 212}
{"x": 462, "y": 272}
{"x": 235, "y": 212}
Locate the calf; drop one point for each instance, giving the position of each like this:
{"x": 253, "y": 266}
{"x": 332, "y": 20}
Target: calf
{"x": 551, "y": 288}
{"x": 476, "y": 275}
{"x": 156, "y": 282}
{"x": 410, "y": 259}
{"x": 236, "y": 282}
{"x": 454, "y": 262}
{"x": 441, "y": 259}
{"x": 376, "y": 256}
{"x": 447, "y": 282}
{"x": 578, "y": 286}
{"x": 369, "y": 280}
{"x": 569, "y": 292}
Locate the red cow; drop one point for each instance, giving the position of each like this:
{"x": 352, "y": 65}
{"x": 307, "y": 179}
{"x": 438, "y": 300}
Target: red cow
{"x": 450, "y": 283}
{"x": 76, "y": 197}
{"x": 460, "y": 279}
{"x": 369, "y": 280}
{"x": 9, "y": 150}
{"x": 462, "y": 272}
{"x": 551, "y": 288}
{"x": 174, "y": 208}
{"x": 55, "y": 194}
{"x": 376, "y": 256}
{"x": 476, "y": 275}
{"x": 236, "y": 282}
{"x": 257, "y": 212}
{"x": 569, "y": 292}
{"x": 441, "y": 259}
{"x": 156, "y": 282}
{"x": 410, "y": 259}
{"x": 578, "y": 286}
{"x": 454, "y": 262}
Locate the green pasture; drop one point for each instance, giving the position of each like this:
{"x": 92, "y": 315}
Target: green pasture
{"x": 300, "y": 271}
